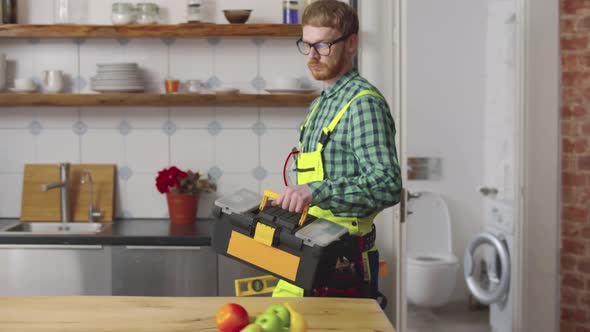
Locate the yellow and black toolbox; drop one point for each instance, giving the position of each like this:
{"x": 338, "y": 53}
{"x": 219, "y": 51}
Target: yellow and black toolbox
{"x": 296, "y": 247}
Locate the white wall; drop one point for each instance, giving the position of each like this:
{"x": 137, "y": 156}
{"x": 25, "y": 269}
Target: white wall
{"x": 240, "y": 146}
{"x": 446, "y": 64}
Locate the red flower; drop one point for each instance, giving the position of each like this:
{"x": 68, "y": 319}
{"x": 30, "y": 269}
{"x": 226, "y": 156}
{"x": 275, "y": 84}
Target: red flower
{"x": 174, "y": 179}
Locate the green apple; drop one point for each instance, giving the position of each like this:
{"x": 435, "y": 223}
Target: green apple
{"x": 270, "y": 322}
{"x": 281, "y": 311}
{"x": 252, "y": 328}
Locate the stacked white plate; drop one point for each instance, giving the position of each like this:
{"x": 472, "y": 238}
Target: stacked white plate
{"x": 117, "y": 77}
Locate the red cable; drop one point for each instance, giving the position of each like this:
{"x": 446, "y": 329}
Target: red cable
{"x": 292, "y": 153}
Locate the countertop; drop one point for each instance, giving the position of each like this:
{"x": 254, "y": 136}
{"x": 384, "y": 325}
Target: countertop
{"x": 154, "y": 314}
{"x": 148, "y": 232}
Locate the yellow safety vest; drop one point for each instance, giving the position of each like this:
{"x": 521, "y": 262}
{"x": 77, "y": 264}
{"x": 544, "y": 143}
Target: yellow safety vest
{"x": 310, "y": 168}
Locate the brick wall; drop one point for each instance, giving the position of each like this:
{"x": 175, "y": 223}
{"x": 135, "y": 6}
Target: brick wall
{"x": 575, "y": 201}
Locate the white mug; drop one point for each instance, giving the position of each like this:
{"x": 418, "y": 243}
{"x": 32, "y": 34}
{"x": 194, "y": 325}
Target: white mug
{"x": 193, "y": 86}
{"x": 52, "y": 81}
{"x": 287, "y": 83}
{"x": 24, "y": 84}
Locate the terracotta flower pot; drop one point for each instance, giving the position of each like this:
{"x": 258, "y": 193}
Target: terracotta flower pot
{"x": 182, "y": 208}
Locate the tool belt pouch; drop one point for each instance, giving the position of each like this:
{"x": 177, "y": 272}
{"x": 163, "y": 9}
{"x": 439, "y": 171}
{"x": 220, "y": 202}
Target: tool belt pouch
{"x": 346, "y": 282}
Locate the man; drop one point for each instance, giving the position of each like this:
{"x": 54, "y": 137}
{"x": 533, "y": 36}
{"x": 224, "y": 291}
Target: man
{"x": 347, "y": 166}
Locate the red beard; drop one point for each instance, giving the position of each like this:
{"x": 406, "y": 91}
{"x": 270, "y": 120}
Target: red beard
{"x": 324, "y": 71}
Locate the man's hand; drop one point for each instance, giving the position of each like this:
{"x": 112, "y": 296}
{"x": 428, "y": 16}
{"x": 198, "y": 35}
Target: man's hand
{"x": 294, "y": 198}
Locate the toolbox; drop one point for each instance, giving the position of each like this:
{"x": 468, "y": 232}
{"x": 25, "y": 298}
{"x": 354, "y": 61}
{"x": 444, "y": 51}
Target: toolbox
{"x": 296, "y": 247}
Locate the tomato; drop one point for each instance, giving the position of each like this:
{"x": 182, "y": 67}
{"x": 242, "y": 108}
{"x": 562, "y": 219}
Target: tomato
{"x": 231, "y": 317}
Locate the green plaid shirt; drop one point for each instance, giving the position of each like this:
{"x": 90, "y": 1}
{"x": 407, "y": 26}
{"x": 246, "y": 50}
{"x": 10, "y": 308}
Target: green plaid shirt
{"x": 361, "y": 169}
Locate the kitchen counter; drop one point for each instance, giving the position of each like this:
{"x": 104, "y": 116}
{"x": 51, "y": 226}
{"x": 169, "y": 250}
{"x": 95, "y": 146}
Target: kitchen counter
{"x": 146, "y": 232}
{"x": 88, "y": 314}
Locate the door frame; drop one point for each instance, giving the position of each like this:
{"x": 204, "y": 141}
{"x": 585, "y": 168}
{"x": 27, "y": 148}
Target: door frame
{"x": 536, "y": 305}
{"x": 537, "y": 231}
{"x": 399, "y": 29}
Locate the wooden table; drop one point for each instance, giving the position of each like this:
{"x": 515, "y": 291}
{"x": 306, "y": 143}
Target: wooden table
{"x": 166, "y": 314}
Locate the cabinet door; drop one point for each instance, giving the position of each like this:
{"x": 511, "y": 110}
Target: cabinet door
{"x": 54, "y": 270}
{"x": 231, "y": 270}
{"x": 164, "y": 271}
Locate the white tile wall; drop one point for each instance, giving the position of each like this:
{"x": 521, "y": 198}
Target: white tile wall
{"x": 223, "y": 139}
{"x": 147, "y": 151}
{"x": 236, "y": 61}
{"x": 16, "y": 117}
{"x": 57, "y": 117}
{"x": 102, "y": 117}
{"x": 142, "y": 199}
{"x": 10, "y": 201}
{"x": 275, "y": 146}
{"x": 236, "y": 150}
{"x": 191, "y": 58}
{"x": 57, "y": 145}
{"x": 192, "y": 149}
{"x": 17, "y": 147}
{"x": 102, "y": 146}
{"x": 237, "y": 117}
{"x": 273, "y": 182}
{"x": 192, "y": 117}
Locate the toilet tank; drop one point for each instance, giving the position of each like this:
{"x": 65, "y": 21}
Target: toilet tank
{"x": 428, "y": 229}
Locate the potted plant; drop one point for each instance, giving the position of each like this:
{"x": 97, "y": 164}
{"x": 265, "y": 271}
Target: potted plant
{"x": 182, "y": 191}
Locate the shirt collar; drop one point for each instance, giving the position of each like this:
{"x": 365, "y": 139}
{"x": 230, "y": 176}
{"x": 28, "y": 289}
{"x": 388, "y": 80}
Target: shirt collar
{"x": 338, "y": 85}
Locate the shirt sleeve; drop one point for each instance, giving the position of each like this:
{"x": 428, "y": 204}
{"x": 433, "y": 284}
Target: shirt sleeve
{"x": 378, "y": 185}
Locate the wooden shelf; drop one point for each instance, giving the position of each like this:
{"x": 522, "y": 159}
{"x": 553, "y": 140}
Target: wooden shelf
{"x": 155, "y": 99}
{"x": 148, "y": 31}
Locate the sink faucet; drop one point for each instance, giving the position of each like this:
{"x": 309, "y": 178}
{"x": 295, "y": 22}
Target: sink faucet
{"x": 64, "y": 185}
{"x": 91, "y": 213}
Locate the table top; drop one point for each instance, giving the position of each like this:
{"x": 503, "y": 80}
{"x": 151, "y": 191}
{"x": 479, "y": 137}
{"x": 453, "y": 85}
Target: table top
{"x": 124, "y": 314}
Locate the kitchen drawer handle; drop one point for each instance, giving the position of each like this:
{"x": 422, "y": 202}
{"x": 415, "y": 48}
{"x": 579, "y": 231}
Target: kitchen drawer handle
{"x": 163, "y": 248}
{"x": 48, "y": 246}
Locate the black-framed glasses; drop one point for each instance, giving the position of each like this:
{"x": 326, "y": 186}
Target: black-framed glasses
{"x": 321, "y": 48}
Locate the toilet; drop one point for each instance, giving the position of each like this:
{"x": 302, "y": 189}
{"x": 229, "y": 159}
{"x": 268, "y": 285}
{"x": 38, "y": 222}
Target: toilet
{"x": 431, "y": 266}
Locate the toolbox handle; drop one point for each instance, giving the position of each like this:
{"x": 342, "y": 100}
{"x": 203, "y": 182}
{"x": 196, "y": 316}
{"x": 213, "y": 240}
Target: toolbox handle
{"x": 274, "y": 195}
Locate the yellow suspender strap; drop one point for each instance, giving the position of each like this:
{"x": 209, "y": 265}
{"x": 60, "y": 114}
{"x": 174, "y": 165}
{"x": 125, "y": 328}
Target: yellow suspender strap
{"x": 306, "y": 122}
{"x": 327, "y": 130}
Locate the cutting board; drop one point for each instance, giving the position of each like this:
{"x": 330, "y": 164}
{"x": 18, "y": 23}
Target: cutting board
{"x": 42, "y": 206}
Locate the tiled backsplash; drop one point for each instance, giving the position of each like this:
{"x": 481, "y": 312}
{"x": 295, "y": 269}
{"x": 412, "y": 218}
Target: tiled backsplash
{"x": 239, "y": 146}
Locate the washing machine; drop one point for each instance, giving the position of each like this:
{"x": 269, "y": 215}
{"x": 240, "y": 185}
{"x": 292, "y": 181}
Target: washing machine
{"x": 492, "y": 285}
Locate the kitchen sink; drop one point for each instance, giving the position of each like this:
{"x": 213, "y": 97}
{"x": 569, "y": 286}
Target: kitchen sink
{"x": 53, "y": 228}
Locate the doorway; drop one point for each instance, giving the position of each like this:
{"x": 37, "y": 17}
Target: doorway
{"x": 461, "y": 137}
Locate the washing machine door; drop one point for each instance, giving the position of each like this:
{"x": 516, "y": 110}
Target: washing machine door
{"x": 498, "y": 286}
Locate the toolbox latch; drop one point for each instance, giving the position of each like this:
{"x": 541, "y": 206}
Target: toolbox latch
{"x": 264, "y": 233}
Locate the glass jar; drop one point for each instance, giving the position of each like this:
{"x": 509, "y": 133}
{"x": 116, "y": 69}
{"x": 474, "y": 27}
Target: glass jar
{"x": 123, "y": 13}
{"x": 194, "y": 11}
{"x": 290, "y": 12}
{"x": 147, "y": 13}
{"x": 71, "y": 11}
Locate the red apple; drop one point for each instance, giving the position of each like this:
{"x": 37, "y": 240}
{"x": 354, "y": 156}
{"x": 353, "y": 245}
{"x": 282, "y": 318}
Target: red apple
{"x": 231, "y": 317}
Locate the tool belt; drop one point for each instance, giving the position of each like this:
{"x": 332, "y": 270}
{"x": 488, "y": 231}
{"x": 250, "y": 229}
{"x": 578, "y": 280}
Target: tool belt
{"x": 369, "y": 239}
{"x": 347, "y": 279}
